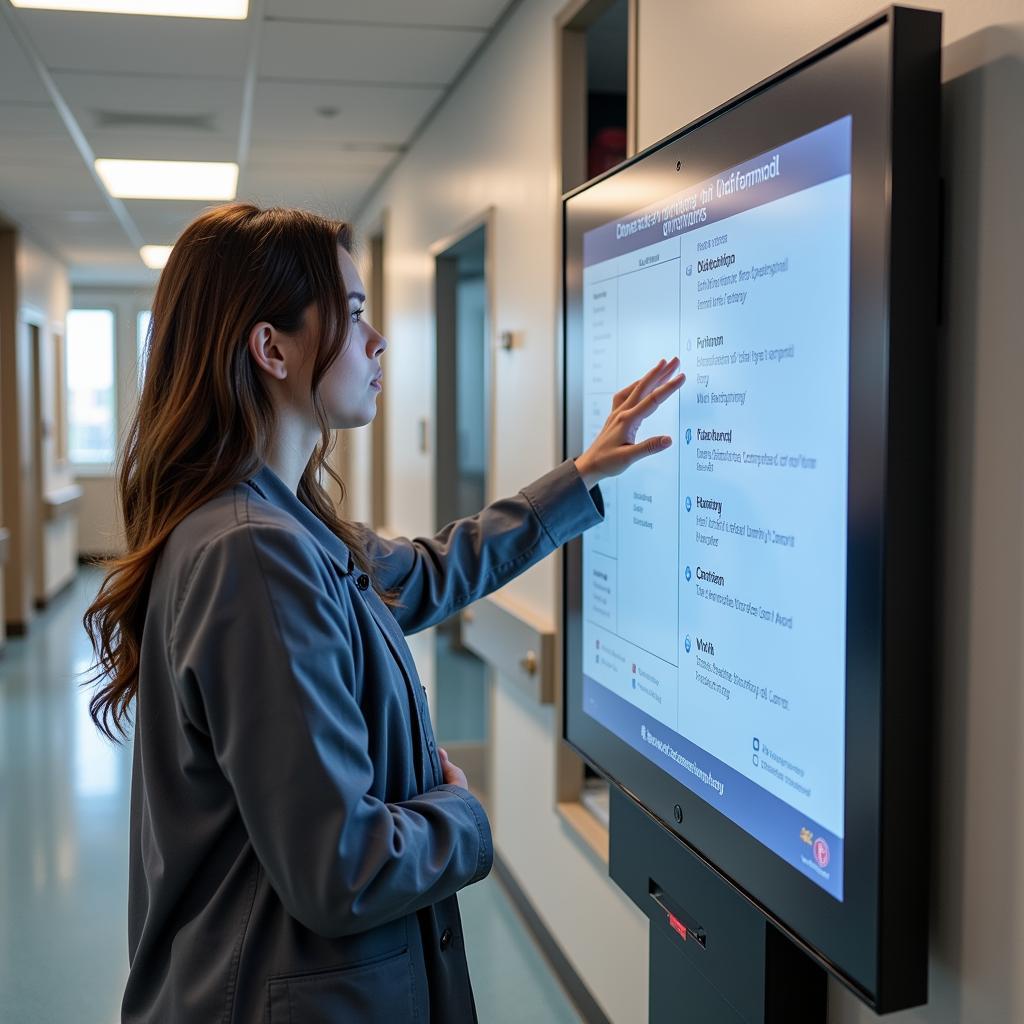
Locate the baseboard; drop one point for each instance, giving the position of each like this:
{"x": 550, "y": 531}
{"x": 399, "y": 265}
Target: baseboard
{"x": 42, "y": 603}
{"x": 586, "y": 1005}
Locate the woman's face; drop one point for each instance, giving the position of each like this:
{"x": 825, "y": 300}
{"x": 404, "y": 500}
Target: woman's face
{"x": 350, "y": 387}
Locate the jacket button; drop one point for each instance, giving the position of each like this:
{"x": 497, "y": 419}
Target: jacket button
{"x": 446, "y": 939}
{"x": 363, "y": 581}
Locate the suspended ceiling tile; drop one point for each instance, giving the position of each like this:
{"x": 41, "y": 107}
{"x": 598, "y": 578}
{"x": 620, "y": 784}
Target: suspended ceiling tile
{"x": 33, "y": 119}
{"x": 41, "y": 184}
{"x": 126, "y": 144}
{"x": 100, "y": 234}
{"x": 107, "y": 264}
{"x": 18, "y": 78}
{"x": 356, "y": 53}
{"x": 70, "y": 40}
{"x": 332, "y": 193}
{"x": 354, "y": 113}
{"x": 209, "y": 104}
{"x": 479, "y": 14}
{"x": 27, "y": 154}
{"x": 262, "y": 176}
{"x": 309, "y": 161}
{"x": 162, "y": 222}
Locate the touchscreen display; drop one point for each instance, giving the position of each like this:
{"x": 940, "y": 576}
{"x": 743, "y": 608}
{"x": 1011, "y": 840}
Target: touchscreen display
{"x": 714, "y": 592}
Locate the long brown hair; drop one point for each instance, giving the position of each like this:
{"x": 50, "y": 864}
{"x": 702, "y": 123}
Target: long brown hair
{"x": 205, "y": 420}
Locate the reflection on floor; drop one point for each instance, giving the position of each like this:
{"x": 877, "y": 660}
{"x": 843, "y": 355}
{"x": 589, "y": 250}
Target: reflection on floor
{"x": 64, "y": 853}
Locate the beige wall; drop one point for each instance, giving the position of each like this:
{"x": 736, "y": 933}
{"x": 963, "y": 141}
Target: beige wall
{"x": 34, "y": 296}
{"x": 494, "y": 143}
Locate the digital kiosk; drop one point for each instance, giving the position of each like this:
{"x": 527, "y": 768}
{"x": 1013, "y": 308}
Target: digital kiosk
{"x": 748, "y": 634}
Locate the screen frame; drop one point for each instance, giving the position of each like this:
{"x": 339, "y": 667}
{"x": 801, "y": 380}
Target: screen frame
{"x": 875, "y": 940}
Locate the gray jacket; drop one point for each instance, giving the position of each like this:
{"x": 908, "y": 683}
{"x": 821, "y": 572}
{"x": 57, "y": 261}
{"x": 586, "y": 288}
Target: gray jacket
{"x": 294, "y": 853}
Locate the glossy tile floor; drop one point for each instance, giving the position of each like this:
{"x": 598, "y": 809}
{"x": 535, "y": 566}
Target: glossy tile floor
{"x": 64, "y": 854}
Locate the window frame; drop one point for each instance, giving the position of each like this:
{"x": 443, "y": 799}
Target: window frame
{"x": 127, "y": 303}
{"x": 96, "y": 467}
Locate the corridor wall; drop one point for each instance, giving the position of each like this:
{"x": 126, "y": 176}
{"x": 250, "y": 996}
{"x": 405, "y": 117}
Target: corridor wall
{"x": 494, "y": 142}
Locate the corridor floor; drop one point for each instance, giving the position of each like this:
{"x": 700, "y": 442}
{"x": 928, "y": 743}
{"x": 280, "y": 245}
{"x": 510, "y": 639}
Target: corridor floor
{"x": 64, "y": 853}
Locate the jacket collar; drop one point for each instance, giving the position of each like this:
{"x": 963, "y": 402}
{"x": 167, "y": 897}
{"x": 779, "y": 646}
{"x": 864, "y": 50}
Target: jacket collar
{"x": 270, "y": 486}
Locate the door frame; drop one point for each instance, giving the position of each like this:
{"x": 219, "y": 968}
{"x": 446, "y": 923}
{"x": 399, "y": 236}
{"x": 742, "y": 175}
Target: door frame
{"x": 33, "y": 501}
{"x": 476, "y": 758}
{"x": 484, "y": 219}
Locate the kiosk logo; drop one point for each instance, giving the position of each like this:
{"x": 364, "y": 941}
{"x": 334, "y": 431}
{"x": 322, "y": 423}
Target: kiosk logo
{"x": 821, "y": 852}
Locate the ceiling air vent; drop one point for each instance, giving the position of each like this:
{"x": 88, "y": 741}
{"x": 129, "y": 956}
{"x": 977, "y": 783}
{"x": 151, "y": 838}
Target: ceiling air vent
{"x": 161, "y": 122}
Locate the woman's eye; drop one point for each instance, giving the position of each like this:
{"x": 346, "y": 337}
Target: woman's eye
{"x": 357, "y": 315}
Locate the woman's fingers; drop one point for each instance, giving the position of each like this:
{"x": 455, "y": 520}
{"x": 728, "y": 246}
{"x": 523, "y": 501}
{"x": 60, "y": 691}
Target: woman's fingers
{"x": 650, "y": 380}
{"x": 636, "y": 390}
{"x": 623, "y": 393}
{"x": 647, "y": 405}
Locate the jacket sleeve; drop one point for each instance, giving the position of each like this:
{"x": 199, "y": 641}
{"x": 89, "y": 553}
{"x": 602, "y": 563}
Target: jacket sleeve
{"x": 263, "y": 658}
{"x": 471, "y": 557}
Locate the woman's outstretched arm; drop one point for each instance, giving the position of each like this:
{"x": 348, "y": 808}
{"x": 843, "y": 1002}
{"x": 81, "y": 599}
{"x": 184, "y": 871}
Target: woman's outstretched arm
{"x": 471, "y": 557}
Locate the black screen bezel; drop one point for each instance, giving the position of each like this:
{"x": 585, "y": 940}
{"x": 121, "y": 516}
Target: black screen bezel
{"x": 852, "y": 75}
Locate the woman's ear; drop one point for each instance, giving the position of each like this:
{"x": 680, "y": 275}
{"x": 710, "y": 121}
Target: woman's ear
{"x": 266, "y": 351}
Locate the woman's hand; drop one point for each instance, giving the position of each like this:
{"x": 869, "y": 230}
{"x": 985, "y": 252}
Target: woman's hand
{"x": 453, "y": 776}
{"x": 614, "y": 449}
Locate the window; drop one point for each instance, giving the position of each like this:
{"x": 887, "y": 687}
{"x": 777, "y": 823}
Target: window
{"x": 92, "y": 416}
{"x": 142, "y": 325}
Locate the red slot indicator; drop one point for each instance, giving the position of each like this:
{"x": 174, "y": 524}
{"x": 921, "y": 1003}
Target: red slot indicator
{"x": 677, "y": 925}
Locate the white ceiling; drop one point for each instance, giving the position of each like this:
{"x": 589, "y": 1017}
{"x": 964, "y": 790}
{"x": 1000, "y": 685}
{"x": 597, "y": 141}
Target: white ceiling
{"x": 340, "y": 86}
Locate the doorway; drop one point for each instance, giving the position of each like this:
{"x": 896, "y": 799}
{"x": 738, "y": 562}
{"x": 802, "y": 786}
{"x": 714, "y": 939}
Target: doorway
{"x": 462, "y": 445}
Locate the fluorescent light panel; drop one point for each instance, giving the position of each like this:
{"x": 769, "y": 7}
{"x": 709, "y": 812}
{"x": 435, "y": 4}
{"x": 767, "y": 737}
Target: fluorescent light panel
{"x": 155, "y": 256}
{"x": 168, "y": 179}
{"x": 231, "y": 10}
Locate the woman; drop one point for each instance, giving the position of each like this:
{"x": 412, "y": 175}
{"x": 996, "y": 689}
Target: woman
{"x": 297, "y": 839}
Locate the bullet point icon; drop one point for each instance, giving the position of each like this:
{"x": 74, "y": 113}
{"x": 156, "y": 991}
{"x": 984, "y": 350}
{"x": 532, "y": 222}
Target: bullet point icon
{"x": 757, "y": 743}
{"x": 689, "y": 435}
{"x": 686, "y": 643}
{"x": 688, "y": 574}
{"x": 689, "y": 504}
{"x": 755, "y": 760}
{"x": 634, "y": 684}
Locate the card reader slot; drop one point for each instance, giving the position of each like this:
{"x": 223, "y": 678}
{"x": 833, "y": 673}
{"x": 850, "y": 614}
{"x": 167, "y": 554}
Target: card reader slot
{"x": 679, "y": 920}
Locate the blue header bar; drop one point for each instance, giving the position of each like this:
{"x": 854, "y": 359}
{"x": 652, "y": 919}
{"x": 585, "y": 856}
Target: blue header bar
{"x": 814, "y": 158}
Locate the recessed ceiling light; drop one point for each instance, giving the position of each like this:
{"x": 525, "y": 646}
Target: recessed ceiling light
{"x": 155, "y": 256}
{"x": 233, "y": 10}
{"x": 168, "y": 179}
